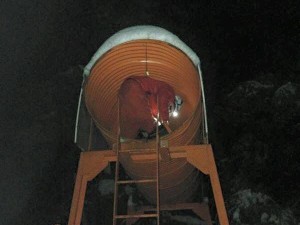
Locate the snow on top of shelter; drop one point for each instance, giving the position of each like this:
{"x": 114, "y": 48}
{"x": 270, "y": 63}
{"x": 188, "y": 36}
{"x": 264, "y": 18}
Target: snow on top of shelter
{"x": 140, "y": 33}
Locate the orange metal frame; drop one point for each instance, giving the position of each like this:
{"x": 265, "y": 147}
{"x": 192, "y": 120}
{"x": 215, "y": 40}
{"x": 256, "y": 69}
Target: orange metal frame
{"x": 93, "y": 162}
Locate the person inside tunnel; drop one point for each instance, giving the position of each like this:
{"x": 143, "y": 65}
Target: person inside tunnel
{"x": 143, "y": 102}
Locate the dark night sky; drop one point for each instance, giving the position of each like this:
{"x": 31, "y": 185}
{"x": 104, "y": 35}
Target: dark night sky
{"x": 40, "y": 40}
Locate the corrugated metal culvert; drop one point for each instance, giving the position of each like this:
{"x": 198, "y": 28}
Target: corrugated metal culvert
{"x": 164, "y": 62}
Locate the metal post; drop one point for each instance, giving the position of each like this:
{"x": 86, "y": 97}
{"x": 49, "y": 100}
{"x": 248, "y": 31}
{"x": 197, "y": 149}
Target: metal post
{"x": 117, "y": 169}
{"x": 157, "y": 166}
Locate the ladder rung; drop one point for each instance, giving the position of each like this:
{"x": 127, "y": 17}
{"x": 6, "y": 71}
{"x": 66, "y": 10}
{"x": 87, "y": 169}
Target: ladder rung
{"x": 136, "y": 216}
{"x": 136, "y": 181}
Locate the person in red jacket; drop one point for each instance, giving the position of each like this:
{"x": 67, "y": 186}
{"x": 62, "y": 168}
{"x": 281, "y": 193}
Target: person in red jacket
{"x": 141, "y": 98}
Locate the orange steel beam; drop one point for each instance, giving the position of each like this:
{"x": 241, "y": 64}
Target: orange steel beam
{"x": 93, "y": 162}
{"x": 90, "y": 165}
{"x": 204, "y": 160}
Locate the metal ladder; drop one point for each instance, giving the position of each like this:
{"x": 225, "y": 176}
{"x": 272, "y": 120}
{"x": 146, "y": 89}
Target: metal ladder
{"x": 118, "y": 182}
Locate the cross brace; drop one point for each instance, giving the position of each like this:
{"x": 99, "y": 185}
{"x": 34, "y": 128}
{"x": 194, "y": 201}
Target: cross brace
{"x": 91, "y": 163}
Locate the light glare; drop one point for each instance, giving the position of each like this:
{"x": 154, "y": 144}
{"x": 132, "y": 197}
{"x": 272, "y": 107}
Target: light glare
{"x": 175, "y": 114}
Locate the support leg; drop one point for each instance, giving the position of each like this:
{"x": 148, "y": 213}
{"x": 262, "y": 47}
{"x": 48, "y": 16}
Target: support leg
{"x": 203, "y": 159}
{"x": 216, "y": 186}
{"x": 90, "y": 165}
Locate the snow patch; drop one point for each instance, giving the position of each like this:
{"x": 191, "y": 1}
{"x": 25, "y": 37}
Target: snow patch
{"x": 252, "y": 208}
{"x": 264, "y": 218}
{"x": 246, "y": 198}
{"x": 236, "y": 215}
{"x": 106, "y": 186}
{"x": 250, "y": 88}
{"x": 286, "y": 90}
{"x": 287, "y": 93}
{"x": 140, "y": 33}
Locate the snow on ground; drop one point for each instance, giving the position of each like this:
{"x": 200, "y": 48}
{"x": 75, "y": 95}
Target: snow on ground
{"x": 249, "y": 207}
{"x": 106, "y": 186}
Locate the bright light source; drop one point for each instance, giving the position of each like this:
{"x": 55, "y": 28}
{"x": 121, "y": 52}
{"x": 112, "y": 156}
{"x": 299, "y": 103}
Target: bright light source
{"x": 175, "y": 114}
{"x": 155, "y": 119}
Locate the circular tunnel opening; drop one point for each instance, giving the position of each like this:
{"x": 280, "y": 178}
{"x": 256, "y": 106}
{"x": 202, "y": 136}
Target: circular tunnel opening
{"x": 163, "y": 62}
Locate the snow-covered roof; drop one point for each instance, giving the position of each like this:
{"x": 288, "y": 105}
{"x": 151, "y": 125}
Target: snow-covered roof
{"x": 140, "y": 33}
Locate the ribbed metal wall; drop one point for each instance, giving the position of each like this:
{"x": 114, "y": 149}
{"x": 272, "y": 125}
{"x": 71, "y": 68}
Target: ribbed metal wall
{"x": 166, "y": 63}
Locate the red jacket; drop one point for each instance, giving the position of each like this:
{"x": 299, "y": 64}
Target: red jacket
{"x": 139, "y": 96}
{"x": 158, "y": 92}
